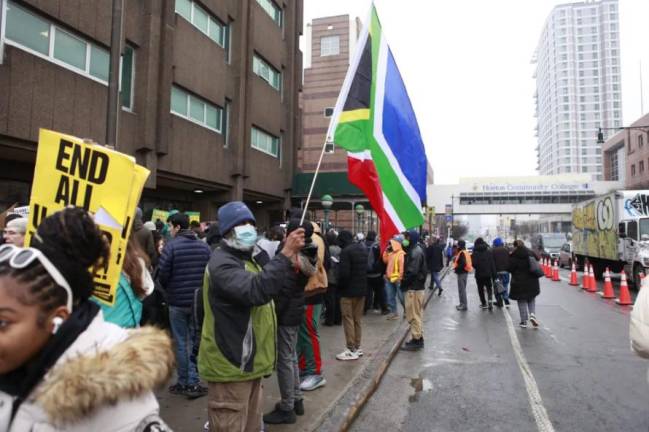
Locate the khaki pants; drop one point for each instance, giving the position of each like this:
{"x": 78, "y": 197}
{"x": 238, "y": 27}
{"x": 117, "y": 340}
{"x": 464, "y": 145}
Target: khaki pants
{"x": 414, "y": 308}
{"x": 351, "y": 309}
{"x": 235, "y": 407}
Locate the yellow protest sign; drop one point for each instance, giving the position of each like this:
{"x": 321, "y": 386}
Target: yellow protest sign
{"x": 103, "y": 181}
{"x": 193, "y": 216}
{"x": 163, "y": 215}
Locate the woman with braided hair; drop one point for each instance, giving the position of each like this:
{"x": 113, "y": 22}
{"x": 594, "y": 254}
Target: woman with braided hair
{"x": 62, "y": 367}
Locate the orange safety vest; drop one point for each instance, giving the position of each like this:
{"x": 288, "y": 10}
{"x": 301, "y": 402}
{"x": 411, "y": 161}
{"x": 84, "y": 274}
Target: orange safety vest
{"x": 468, "y": 266}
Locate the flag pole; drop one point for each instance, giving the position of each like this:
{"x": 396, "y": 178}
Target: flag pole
{"x": 315, "y": 176}
{"x": 337, "y": 110}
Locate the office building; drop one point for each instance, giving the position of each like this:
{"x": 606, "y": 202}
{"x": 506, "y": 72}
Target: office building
{"x": 208, "y": 94}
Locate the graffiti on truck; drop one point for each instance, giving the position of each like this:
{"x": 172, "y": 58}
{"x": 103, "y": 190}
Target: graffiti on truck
{"x": 637, "y": 206}
{"x": 594, "y": 233}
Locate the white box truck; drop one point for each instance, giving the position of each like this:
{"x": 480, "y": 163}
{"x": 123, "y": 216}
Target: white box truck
{"x": 612, "y": 231}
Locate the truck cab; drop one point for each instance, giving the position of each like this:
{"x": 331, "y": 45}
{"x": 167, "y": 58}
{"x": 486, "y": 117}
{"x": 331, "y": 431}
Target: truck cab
{"x": 633, "y": 246}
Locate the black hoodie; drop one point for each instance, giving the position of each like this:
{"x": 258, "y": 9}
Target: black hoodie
{"x": 483, "y": 261}
{"x": 352, "y": 270}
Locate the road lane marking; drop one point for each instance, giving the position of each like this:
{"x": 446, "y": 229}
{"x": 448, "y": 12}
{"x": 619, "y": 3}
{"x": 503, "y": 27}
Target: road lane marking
{"x": 534, "y": 396}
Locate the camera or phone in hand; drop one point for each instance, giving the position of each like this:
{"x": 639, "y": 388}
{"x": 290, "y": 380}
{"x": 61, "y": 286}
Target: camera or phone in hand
{"x": 310, "y": 249}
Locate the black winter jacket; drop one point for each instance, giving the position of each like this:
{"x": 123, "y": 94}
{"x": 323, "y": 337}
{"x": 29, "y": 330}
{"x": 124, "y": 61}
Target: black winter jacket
{"x": 524, "y": 286}
{"x": 414, "y": 269}
{"x": 352, "y": 271}
{"x": 501, "y": 258}
{"x": 234, "y": 291}
{"x": 483, "y": 262}
{"x": 289, "y": 303}
{"x": 435, "y": 257}
{"x": 182, "y": 266}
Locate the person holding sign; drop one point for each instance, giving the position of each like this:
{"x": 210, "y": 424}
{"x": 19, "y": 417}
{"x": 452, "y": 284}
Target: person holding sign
{"x": 238, "y": 341}
{"x": 62, "y": 366}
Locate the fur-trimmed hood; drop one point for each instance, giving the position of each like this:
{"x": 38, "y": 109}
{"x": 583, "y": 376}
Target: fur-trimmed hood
{"x": 103, "y": 381}
{"x": 80, "y": 385}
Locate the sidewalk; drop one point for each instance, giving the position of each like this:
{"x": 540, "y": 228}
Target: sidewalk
{"x": 183, "y": 415}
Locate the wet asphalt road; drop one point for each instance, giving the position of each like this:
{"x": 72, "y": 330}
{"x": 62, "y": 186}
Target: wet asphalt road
{"x": 468, "y": 378}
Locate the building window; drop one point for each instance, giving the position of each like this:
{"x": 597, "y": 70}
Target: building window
{"x": 264, "y": 142}
{"x": 273, "y": 11}
{"x": 640, "y": 141}
{"x": 196, "y": 110}
{"x": 31, "y": 33}
{"x": 329, "y": 45}
{"x": 127, "y": 80}
{"x": 641, "y": 166}
{"x": 199, "y": 18}
{"x": 633, "y": 170}
{"x": 613, "y": 161}
{"x": 266, "y": 72}
{"x": 328, "y": 112}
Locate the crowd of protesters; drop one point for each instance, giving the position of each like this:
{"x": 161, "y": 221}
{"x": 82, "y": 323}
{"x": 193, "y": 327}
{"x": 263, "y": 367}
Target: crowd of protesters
{"x": 238, "y": 306}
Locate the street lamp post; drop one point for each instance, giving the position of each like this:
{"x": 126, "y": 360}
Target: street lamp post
{"x": 600, "y": 134}
{"x": 327, "y": 201}
{"x": 359, "y": 212}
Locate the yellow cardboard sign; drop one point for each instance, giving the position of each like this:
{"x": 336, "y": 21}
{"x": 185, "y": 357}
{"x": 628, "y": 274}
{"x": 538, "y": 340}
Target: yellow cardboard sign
{"x": 163, "y": 215}
{"x": 194, "y": 216}
{"x": 105, "y": 182}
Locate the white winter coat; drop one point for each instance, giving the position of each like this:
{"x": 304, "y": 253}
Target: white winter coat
{"x": 102, "y": 382}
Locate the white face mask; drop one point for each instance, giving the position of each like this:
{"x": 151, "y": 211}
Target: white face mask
{"x": 246, "y": 235}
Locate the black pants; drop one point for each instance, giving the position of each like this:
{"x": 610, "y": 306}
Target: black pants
{"x": 482, "y": 284}
{"x": 332, "y": 306}
{"x": 375, "y": 298}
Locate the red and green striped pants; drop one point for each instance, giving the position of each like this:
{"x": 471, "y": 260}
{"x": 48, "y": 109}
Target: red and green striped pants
{"x": 308, "y": 341}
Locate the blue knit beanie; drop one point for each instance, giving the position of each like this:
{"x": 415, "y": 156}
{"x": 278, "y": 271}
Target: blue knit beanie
{"x": 232, "y": 214}
{"x": 498, "y": 242}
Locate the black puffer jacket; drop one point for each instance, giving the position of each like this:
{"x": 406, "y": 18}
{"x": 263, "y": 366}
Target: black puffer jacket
{"x": 352, "y": 270}
{"x": 483, "y": 262}
{"x": 182, "y": 266}
{"x": 524, "y": 286}
{"x": 501, "y": 258}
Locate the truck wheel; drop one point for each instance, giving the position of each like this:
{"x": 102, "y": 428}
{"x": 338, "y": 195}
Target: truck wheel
{"x": 637, "y": 269}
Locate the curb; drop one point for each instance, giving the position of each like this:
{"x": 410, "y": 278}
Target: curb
{"x": 340, "y": 415}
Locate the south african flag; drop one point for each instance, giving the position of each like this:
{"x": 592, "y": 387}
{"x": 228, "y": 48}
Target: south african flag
{"x": 375, "y": 122}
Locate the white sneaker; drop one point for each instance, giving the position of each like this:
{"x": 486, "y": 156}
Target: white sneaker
{"x": 312, "y": 382}
{"x": 534, "y": 321}
{"x": 359, "y": 352}
{"x": 347, "y": 355}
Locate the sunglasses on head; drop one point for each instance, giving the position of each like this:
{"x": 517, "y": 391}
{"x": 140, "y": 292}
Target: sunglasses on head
{"x": 19, "y": 258}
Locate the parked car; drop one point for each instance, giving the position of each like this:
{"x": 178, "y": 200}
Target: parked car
{"x": 565, "y": 255}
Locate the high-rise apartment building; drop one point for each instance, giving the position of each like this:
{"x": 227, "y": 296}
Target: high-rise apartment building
{"x": 578, "y": 86}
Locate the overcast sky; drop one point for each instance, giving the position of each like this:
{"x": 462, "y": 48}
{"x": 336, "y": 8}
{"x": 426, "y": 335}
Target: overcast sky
{"x": 466, "y": 65}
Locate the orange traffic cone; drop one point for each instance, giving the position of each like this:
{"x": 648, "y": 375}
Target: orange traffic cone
{"x": 573, "y": 276}
{"x": 608, "y": 292}
{"x": 585, "y": 278}
{"x": 555, "y": 272}
{"x": 625, "y": 298}
{"x": 548, "y": 268}
{"x": 592, "y": 287}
